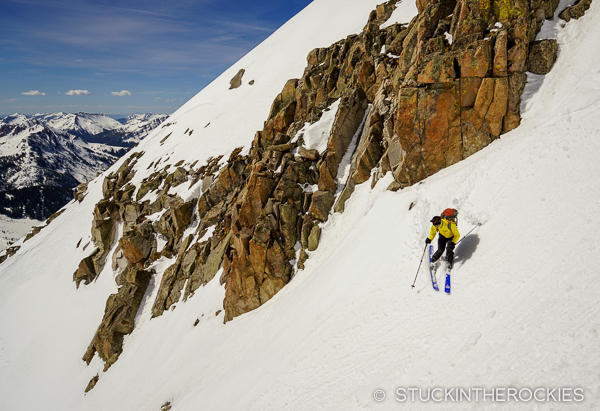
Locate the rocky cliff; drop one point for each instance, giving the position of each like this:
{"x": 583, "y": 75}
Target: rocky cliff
{"x": 410, "y": 100}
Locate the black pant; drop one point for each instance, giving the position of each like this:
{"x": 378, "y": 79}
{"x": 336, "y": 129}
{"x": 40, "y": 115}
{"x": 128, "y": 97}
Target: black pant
{"x": 448, "y": 245}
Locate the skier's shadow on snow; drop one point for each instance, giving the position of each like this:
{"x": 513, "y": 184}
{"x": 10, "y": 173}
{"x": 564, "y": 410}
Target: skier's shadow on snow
{"x": 466, "y": 248}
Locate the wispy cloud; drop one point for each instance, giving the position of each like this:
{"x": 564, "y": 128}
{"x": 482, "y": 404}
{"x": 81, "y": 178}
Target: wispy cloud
{"x": 179, "y": 45}
{"x": 78, "y": 93}
{"x": 121, "y": 93}
{"x": 147, "y": 12}
{"x": 151, "y": 40}
{"x": 33, "y": 93}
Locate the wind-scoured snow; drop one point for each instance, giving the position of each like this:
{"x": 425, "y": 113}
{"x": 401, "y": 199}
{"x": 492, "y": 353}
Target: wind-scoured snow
{"x": 523, "y": 312}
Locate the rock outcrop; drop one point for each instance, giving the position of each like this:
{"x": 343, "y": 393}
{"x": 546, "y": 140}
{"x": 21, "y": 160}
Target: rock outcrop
{"x": 575, "y": 11}
{"x": 119, "y": 316}
{"x": 236, "y": 81}
{"x": 412, "y": 100}
{"x": 542, "y": 55}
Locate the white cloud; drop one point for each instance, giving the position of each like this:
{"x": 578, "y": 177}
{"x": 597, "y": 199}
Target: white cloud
{"x": 121, "y": 93}
{"x": 33, "y": 93}
{"x": 78, "y": 93}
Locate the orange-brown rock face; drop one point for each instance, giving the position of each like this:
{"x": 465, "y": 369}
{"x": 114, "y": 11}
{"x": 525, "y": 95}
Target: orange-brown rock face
{"x": 468, "y": 95}
{"x": 428, "y": 128}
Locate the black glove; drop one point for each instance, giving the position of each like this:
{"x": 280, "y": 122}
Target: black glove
{"x": 427, "y": 241}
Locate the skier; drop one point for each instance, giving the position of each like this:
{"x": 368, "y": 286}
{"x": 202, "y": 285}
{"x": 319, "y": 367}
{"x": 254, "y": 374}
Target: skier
{"x": 449, "y": 235}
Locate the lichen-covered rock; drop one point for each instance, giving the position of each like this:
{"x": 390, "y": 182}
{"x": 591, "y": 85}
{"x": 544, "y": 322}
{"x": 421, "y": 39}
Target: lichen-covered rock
{"x": 138, "y": 243}
{"x": 438, "y": 68}
{"x": 215, "y": 259}
{"x": 476, "y": 60}
{"x": 103, "y": 234}
{"x": 575, "y": 11}
{"x": 258, "y": 189}
{"x": 500, "y": 68}
{"x": 542, "y": 55}
{"x": 314, "y": 237}
{"x": 287, "y": 224}
{"x": 86, "y": 271}
{"x": 150, "y": 184}
{"x": 168, "y": 279}
{"x": 516, "y": 85}
{"x": 321, "y": 204}
{"x": 80, "y": 192}
{"x": 179, "y": 176}
{"x": 119, "y": 316}
{"x": 174, "y": 221}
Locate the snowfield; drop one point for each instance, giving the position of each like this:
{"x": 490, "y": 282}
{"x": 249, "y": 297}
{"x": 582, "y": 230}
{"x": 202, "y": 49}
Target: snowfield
{"x": 12, "y": 229}
{"x": 348, "y": 330}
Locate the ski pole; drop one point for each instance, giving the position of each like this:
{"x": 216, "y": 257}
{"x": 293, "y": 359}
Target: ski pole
{"x": 418, "y": 269}
{"x": 468, "y": 233}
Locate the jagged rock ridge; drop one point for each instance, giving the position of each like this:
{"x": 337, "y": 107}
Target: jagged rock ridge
{"x": 418, "y": 98}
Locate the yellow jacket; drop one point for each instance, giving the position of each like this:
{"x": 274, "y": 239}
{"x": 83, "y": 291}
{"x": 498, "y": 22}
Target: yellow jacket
{"x": 448, "y": 229}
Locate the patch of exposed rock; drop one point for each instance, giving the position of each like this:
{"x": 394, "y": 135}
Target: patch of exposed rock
{"x": 575, "y": 11}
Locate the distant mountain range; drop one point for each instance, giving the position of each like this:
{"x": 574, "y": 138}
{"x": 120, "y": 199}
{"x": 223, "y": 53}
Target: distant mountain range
{"x": 44, "y": 156}
{"x": 99, "y": 128}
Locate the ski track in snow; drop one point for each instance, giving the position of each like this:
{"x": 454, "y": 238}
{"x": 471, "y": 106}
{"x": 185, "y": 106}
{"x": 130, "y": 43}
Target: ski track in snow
{"x": 523, "y": 310}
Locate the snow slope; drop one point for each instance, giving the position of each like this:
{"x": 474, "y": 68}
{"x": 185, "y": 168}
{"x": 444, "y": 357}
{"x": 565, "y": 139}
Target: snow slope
{"x": 523, "y": 312}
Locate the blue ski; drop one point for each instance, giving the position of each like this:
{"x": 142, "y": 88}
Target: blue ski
{"x": 447, "y": 289}
{"x": 431, "y": 270}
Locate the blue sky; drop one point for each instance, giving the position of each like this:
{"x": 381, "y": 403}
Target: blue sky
{"x": 126, "y": 56}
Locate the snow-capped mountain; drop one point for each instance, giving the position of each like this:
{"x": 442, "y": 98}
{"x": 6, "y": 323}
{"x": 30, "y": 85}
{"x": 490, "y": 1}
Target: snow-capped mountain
{"x": 133, "y": 121}
{"x": 99, "y": 128}
{"x": 82, "y": 125}
{"x": 257, "y": 250}
{"x": 132, "y": 130}
{"x": 43, "y": 157}
{"x": 39, "y": 166}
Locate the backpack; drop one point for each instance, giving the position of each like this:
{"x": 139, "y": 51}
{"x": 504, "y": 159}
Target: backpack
{"x": 450, "y": 214}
